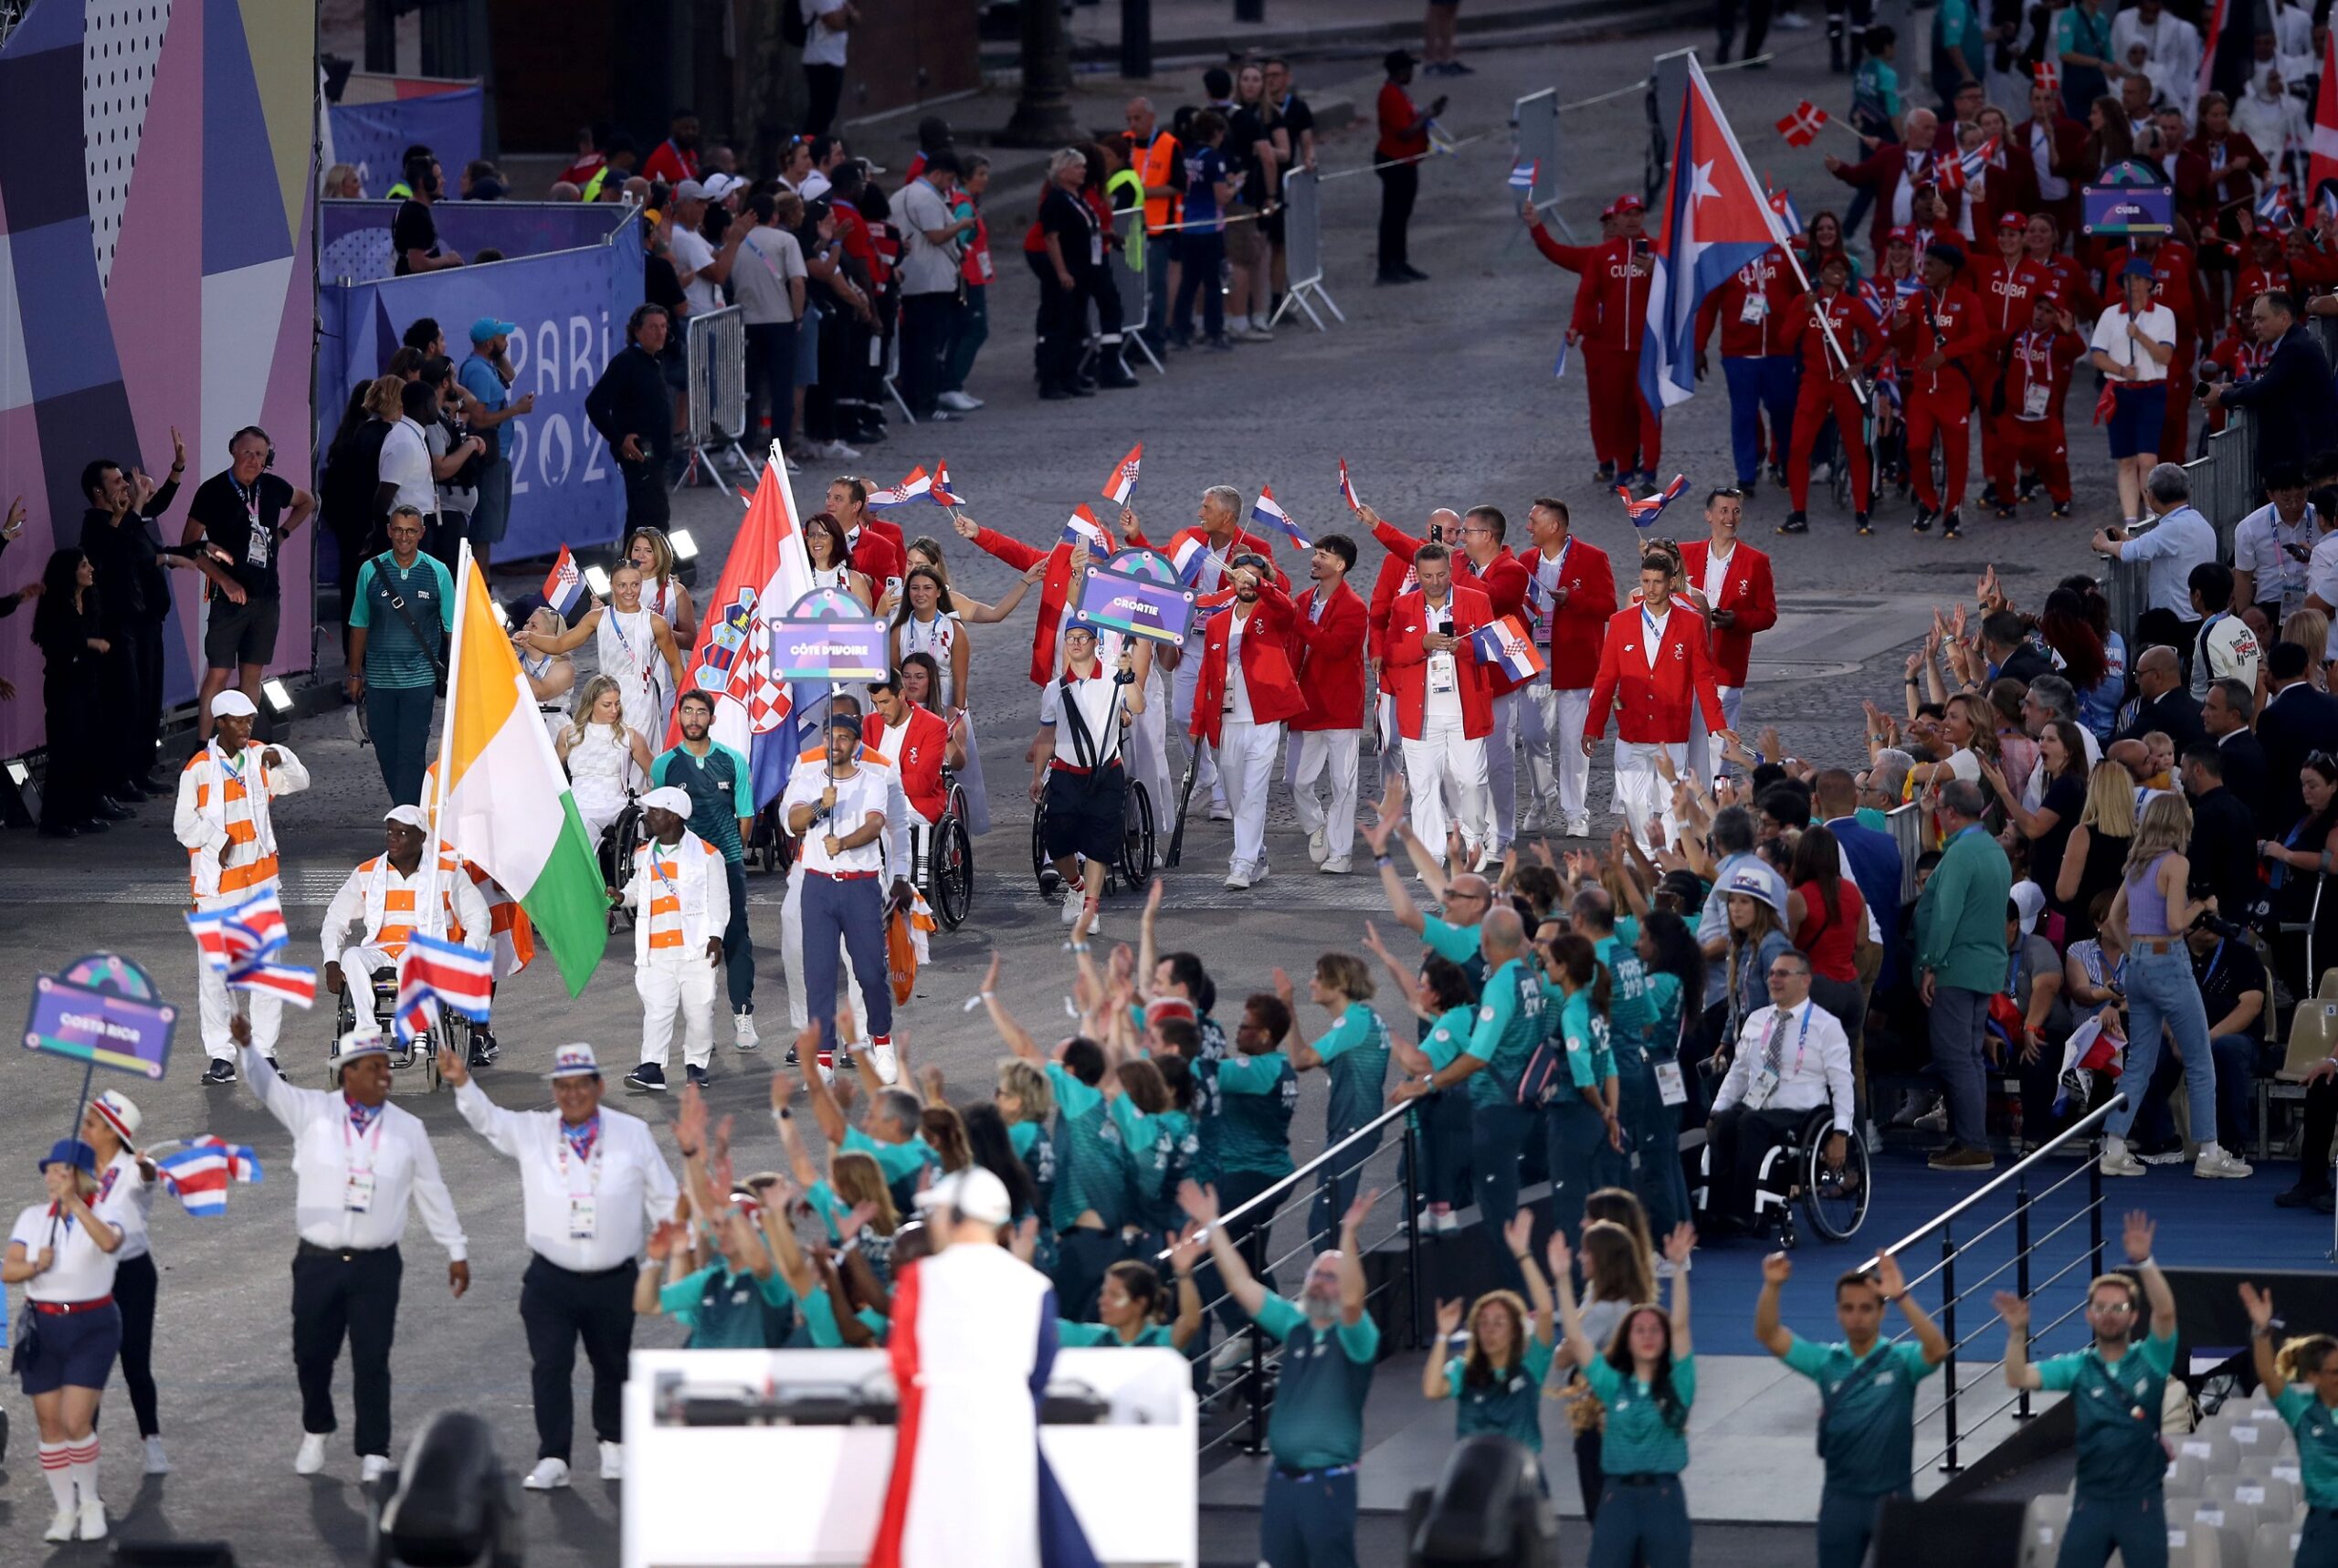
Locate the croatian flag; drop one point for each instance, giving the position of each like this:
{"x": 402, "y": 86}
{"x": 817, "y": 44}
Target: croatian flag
{"x": 1187, "y": 553}
{"x": 1644, "y": 513}
{"x": 564, "y": 585}
{"x": 1083, "y": 528}
{"x": 1506, "y": 647}
{"x": 198, "y": 1174}
{"x": 1120, "y": 483}
{"x": 1347, "y": 489}
{"x": 938, "y": 492}
{"x": 913, "y": 488}
{"x": 1523, "y": 173}
{"x": 1716, "y": 221}
{"x": 1269, "y": 513}
{"x": 1802, "y": 127}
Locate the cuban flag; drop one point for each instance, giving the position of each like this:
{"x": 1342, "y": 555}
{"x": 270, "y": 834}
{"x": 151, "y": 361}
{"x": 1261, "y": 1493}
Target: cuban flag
{"x": 1974, "y": 162}
{"x": 1083, "y": 530}
{"x": 1782, "y": 204}
{"x": 1347, "y": 489}
{"x": 1644, "y": 512}
{"x": 1120, "y": 483}
{"x": 2321, "y": 139}
{"x": 1524, "y": 172}
{"x": 1715, "y": 221}
{"x": 2278, "y": 209}
{"x": 1505, "y": 646}
{"x": 913, "y": 488}
{"x": 938, "y": 492}
{"x": 198, "y": 1174}
{"x": 564, "y": 585}
{"x": 1269, "y": 513}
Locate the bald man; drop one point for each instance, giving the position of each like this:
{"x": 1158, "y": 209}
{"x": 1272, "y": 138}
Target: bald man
{"x": 2164, "y": 703}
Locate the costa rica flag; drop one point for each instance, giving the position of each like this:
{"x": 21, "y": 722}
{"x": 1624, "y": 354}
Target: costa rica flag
{"x": 198, "y": 1174}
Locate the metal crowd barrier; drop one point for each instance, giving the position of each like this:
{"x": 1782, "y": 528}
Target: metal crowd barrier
{"x": 1134, "y": 289}
{"x": 714, "y": 345}
{"x": 1303, "y": 241}
{"x": 1908, "y": 831}
{"x": 2223, "y": 490}
{"x": 1534, "y": 125}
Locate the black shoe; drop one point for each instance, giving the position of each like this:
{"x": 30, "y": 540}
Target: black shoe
{"x": 483, "y": 1040}
{"x": 1082, "y": 389}
{"x": 1989, "y": 496}
{"x": 1083, "y": 383}
{"x": 648, "y": 1079}
{"x": 477, "y": 1057}
{"x": 1777, "y": 476}
{"x": 128, "y": 791}
{"x": 1795, "y": 522}
{"x": 1411, "y": 271}
{"x": 2062, "y": 512}
{"x": 2005, "y": 513}
{"x": 2027, "y": 488}
{"x": 2302, "y": 1197}
{"x": 59, "y": 830}
{"x": 1604, "y": 474}
{"x": 1054, "y": 394}
{"x": 1859, "y": 521}
{"x": 1950, "y": 524}
{"x": 220, "y": 1071}
{"x": 1923, "y": 520}
{"x": 1390, "y": 275}
{"x": 1115, "y": 378}
{"x": 697, "y": 1075}
{"x": 93, "y": 825}
{"x": 791, "y": 1055}
{"x": 113, "y": 810}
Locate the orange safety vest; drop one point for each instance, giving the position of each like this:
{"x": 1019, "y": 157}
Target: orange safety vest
{"x": 1162, "y": 165}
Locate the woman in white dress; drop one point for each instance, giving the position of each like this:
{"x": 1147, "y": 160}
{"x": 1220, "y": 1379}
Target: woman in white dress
{"x": 925, "y": 551}
{"x": 551, "y": 676}
{"x": 831, "y": 559}
{"x": 634, "y": 646}
{"x": 606, "y": 757}
{"x": 928, "y": 623}
{"x": 661, "y": 591}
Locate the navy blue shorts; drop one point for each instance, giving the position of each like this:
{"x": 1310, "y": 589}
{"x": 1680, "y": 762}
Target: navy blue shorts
{"x": 76, "y": 1350}
{"x": 1084, "y": 813}
{"x": 2137, "y": 415}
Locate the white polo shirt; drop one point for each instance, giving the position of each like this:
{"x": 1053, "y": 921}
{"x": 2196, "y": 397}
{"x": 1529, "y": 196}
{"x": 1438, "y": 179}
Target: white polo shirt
{"x": 82, "y": 1271}
{"x": 406, "y": 463}
{"x": 1097, "y": 710}
{"x": 858, "y": 798}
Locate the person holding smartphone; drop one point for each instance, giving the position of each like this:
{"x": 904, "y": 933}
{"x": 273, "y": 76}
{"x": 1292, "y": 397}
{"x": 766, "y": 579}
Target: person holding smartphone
{"x": 2271, "y": 546}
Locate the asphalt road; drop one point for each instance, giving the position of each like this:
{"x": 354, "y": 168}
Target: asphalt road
{"x": 1437, "y": 393}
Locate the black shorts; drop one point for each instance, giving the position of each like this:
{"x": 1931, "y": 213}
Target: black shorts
{"x": 1084, "y": 813}
{"x": 240, "y": 634}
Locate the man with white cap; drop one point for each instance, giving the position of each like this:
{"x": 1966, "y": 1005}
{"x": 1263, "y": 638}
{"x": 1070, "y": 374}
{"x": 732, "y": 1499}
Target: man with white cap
{"x": 224, "y": 819}
{"x": 974, "y": 1335}
{"x": 389, "y": 898}
{"x": 841, "y": 814}
{"x": 592, "y": 1182}
{"x": 125, "y": 1200}
{"x": 681, "y": 900}
{"x": 360, "y": 1162}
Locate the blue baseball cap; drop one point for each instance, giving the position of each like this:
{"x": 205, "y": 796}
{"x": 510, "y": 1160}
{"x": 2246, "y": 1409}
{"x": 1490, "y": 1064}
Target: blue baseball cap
{"x": 2137, "y": 267}
{"x": 71, "y": 1152}
{"x": 487, "y": 327}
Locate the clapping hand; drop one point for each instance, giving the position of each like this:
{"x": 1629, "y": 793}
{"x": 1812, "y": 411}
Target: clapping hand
{"x": 1520, "y": 1233}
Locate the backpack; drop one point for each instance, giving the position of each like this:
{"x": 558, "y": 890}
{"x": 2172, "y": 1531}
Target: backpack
{"x": 794, "y": 25}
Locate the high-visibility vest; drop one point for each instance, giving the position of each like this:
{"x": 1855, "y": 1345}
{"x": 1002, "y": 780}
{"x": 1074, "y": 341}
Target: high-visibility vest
{"x": 1161, "y": 166}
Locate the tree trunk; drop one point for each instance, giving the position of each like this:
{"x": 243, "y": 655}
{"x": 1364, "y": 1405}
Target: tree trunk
{"x": 1042, "y": 116}
{"x": 774, "y": 98}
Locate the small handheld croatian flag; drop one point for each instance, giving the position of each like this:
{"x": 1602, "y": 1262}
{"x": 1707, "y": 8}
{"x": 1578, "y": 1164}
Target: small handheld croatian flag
{"x": 938, "y": 492}
{"x": 1523, "y": 173}
{"x": 1083, "y": 528}
{"x": 433, "y": 971}
{"x": 1505, "y": 646}
{"x": 1347, "y": 489}
{"x": 1644, "y": 512}
{"x": 913, "y": 488}
{"x": 564, "y": 585}
{"x": 1269, "y": 512}
{"x": 1121, "y": 482}
{"x": 198, "y": 1174}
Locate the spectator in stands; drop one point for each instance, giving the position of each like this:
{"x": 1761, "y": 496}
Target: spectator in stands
{"x": 1791, "y": 1057}
{"x": 414, "y": 234}
{"x": 1257, "y": 149}
{"x": 828, "y": 30}
{"x": 2234, "y": 992}
{"x": 1404, "y": 143}
{"x": 2182, "y": 540}
{"x": 483, "y": 182}
{"x": 608, "y": 182}
{"x": 2224, "y": 717}
{"x": 769, "y": 280}
{"x": 2300, "y": 863}
{"x": 932, "y": 235}
{"x": 134, "y": 601}
{"x": 2034, "y": 984}
{"x": 675, "y": 158}
{"x": 70, "y": 635}
{"x": 2162, "y": 705}
{"x": 631, "y": 408}
{"x": 456, "y": 458}
{"x": 1960, "y": 954}
{"x": 1644, "y": 1381}
{"x": 351, "y": 471}
{"x": 407, "y": 476}
{"x": 970, "y": 325}
{"x": 2223, "y": 847}
{"x": 2296, "y": 405}
{"x": 342, "y": 183}
{"x": 2312, "y": 1186}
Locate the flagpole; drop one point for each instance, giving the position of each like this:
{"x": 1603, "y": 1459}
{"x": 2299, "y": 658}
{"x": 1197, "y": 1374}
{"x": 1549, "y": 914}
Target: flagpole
{"x": 431, "y": 841}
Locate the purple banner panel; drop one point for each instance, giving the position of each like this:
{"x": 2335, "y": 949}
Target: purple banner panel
{"x": 828, "y": 650}
{"x": 101, "y": 1027}
{"x": 1140, "y": 606}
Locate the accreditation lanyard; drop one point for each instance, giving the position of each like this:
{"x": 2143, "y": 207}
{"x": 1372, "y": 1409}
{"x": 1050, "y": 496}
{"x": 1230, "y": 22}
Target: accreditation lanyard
{"x": 1767, "y": 1079}
{"x": 589, "y": 1147}
{"x": 639, "y": 661}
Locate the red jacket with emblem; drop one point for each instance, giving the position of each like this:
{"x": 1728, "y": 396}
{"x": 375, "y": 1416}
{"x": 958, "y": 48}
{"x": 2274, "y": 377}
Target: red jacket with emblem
{"x": 1747, "y": 592}
{"x": 1611, "y": 303}
{"x": 917, "y": 750}
{"x": 1653, "y": 704}
{"x": 1268, "y": 671}
{"x": 1953, "y": 326}
{"x": 1408, "y": 672}
{"x": 2009, "y": 293}
{"x": 1750, "y": 330}
{"x": 1578, "y": 622}
{"x": 1331, "y": 660}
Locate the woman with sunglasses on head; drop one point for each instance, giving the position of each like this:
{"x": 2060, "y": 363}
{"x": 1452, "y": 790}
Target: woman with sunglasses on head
{"x": 62, "y": 1252}
{"x": 661, "y": 591}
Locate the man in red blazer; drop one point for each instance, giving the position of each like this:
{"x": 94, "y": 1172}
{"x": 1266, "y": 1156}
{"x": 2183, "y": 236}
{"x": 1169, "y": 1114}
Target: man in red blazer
{"x": 2054, "y": 145}
{"x": 1653, "y": 670}
{"x": 1894, "y": 170}
{"x": 1444, "y": 710}
{"x": 1502, "y": 577}
{"x": 1730, "y": 585}
{"x": 1246, "y": 690}
{"x": 1395, "y": 581}
{"x": 1328, "y": 634}
{"x": 1571, "y": 592}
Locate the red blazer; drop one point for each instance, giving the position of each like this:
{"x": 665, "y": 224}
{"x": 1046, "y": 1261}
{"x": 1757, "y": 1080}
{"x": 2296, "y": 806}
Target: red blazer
{"x": 1408, "y": 672}
{"x": 1747, "y": 592}
{"x": 1385, "y": 590}
{"x": 1579, "y": 624}
{"x": 1653, "y": 703}
{"x": 1503, "y": 582}
{"x": 1268, "y": 669}
{"x": 1054, "y": 589}
{"x": 1331, "y": 661}
{"x": 1882, "y": 171}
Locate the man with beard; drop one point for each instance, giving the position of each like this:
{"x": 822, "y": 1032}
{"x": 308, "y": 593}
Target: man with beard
{"x": 722, "y": 813}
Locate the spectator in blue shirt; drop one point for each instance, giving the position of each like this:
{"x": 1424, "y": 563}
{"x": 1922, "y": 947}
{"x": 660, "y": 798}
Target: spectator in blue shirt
{"x": 1202, "y": 246}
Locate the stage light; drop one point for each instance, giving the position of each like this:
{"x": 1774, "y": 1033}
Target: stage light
{"x": 597, "y": 580}
{"x": 279, "y": 700}
{"x": 18, "y": 772}
{"x": 684, "y": 548}
{"x": 501, "y": 618}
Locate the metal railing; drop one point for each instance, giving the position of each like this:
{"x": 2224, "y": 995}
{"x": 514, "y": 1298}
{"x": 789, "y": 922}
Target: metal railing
{"x": 714, "y": 346}
{"x": 1265, "y": 1355}
{"x": 2089, "y": 1128}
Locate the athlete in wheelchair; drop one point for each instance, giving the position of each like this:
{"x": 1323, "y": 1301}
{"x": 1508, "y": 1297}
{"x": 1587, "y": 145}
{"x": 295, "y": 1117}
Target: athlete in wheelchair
{"x": 925, "y": 750}
{"x": 1081, "y": 829}
{"x": 384, "y": 901}
{"x": 1781, "y": 1128}
{"x": 617, "y": 842}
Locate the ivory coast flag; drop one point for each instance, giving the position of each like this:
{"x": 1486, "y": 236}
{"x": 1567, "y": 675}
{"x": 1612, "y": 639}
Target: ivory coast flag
{"x": 506, "y": 804}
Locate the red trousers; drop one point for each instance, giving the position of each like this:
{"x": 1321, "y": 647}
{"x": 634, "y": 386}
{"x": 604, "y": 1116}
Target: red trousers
{"x": 2037, "y": 445}
{"x": 1820, "y": 396}
{"x": 1948, "y": 410}
{"x": 1625, "y": 431}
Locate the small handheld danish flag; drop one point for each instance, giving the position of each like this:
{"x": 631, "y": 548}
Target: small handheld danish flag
{"x": 1802, "y": 127}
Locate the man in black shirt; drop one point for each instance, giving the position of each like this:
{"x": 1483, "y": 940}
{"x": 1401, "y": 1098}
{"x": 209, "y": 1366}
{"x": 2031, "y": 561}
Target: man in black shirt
{"x": 2223, "y": 850}
{"x": 2225, "y": 716}
{"x": 247, "y": 512}
{"x": 2005, "y": 640}
{"x": 2296, "y": 721}
{"x": 634, "y": 412}
{"x": 414, "y": 233}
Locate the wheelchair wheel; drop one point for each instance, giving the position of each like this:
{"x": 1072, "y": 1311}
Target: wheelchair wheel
{"x": 1835, "y": 1201}
{"x": 345, "y": 1019}
{"x": 1043, "y": 870}
{"x": 953, "y": 872}
{"x": 1137, "y": 862}
{"x": 623, "y": 838}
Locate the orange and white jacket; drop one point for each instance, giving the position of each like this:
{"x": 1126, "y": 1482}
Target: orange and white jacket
{"x": 224, "y": 820}
{"x": 377, "y": 907}
{"x": 680, "y": 896}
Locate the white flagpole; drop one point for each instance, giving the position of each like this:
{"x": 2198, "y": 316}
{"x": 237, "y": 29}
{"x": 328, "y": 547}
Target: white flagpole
{"x": 439, "y": 896}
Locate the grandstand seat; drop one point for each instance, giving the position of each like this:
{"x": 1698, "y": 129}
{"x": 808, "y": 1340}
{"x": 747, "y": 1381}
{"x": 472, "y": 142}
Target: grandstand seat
{"x": 2042, "y": 1526}
{"x": 2256, "y": 1436}
{"x": 2189, "y": 1547}
{"x": 2271, "y": 1498}
{"x": 2186, "y": 1476}
{"x": 2275, "y": 1546}
{"x": 2216, "y": 1451}
{"x": 2235, "y": 1523}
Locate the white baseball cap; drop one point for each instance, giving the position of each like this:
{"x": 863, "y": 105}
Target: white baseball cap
{"x": 2031, "y": 899}
{"x": 668, "y": 797}
{"x": 413, "y": 817}
{"x": 233, "y": 704}
{"x": 977, "y": 1194}
{"x": 364, "y": 1041}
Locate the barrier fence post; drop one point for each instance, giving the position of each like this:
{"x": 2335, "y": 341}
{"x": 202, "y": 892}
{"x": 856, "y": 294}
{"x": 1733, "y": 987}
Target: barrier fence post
{"x": 2021, "y": 1265}
{"x": 1302, "y": 240}
{"x": 1135, "y": 290}
{"x": 1412, "y": 1165}
{"x": 1254, "y": 1438}
{"x": 2094, "y": 1204}
{"x": 1948, "y": 1326}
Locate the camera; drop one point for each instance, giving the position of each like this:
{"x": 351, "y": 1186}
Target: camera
{"x": 2217, "y": 923}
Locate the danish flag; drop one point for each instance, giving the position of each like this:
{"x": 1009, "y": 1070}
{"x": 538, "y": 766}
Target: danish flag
{"x": 1802, "y": 127}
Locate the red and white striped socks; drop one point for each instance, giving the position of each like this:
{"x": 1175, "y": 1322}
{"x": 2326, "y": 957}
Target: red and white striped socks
{"x": 81, "y": 1468}
{"x": 55, "y": 1469}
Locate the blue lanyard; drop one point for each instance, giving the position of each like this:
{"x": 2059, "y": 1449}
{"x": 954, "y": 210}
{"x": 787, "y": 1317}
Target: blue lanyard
{"x": 1655, "y": 627}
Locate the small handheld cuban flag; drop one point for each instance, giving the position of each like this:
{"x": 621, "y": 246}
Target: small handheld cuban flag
{"x": 1505, "y": 646}
{"x": 1524, "y": 172}
{"x": 1907, "y": 288}
{"x": 1269, "y": 512}
{"x": 564, "y": 585}
{"x": 198, "y": 1174}
{"x": 1974, "y": 162}
{"x": 913, "y": 488}
{"x": 1782, "y": 204}
{"x": 938, "y": 492}
{"x": 2278, "y": 209}
{"x": 1347, "y": 489}
{"x": 1121, "y": 482}
{"x": 1644, "y": 512}
{"x": 1083, "y": 531}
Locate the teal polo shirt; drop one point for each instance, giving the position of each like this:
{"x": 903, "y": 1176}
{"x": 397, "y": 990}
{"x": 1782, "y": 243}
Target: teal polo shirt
{"x": 1630, "y": 1014}
{"x": 1510, "y": 1402}
{"x": 727, "y": 1311}
{"x": 2118, "y": 1405}
{"x": 1355, "y": 1054}
{"x": 1867, "y": 1434}
{"x": 1090, "y": 1170}
{"x": 394, "y": 661}
{"x": 1088, "y": 1336}
{"x": 1318, "y": 1420}
{"x": 1256, "y": 1097}
{"x": 1448, "y": 1036}
{"x": 1157, "y": 1150}
{"x": 1510, "y": 1025}
{"x": 1590, "y": 1062}
{"x": 899, "y": 1164}
{"x": 1638, "y": 1441}
{"x": 720, "y": 789}
{"x": 2316, "y": 1426}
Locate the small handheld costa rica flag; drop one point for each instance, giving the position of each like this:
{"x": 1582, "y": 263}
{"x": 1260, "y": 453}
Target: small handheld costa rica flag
{"x": 1347, "y": 489}
{"x": 1524, "y": 172}
{"x": 564, "y": 585}
{"x": 1268, "y": 511}
{"x": 1644, "y": 512}
{"x": 1121, "y": 482}
{"x": 1504, "y": 644}
{"x": 199, "y": 1173}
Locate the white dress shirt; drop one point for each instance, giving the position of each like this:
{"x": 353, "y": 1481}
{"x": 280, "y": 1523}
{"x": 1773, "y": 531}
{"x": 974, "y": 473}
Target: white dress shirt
{"x": 335, "y": 1167}
{"x": 2261, "y": 547}
{"x": 406, "y": 463}
{"x": 864, "y": 794}
{"x": 585, "y": 1215}
{"x": 80, "y": 1271}
{"x": 1814, "y": 1063}
{"x": 125, "y": 1200}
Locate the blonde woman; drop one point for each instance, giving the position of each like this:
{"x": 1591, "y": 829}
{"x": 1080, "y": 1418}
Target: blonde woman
{"x": 606, "y": 758}
{"x": 661, "y": 591}
{"x": 551, "y": 676}
{"x": 2310, "y": 629}
{"x": 2153, "y": 911}
{"x": 1970, "y": 726}
{"x": 631, "y": 642}
{"x": 2095, "y": 857}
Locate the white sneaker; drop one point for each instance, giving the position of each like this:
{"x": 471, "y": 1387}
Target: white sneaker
{"x": 1258, "y": 872}
{"x": 1237, "y": 876}
{"x": 61, "y": 1523}
{"x": 2117, "y": 1161}
{"x": 1319, "y": 849}
{"x": 1336, "y": 866}
{"x": 1220, "y": 812}
{"x": 612, "y": 1461}
{"x": 312, "y": 1457}
{"x": 1096, "y": 922}
{"x": 840, "y": 450}
{"x": 1934, "y": 1120}
{"x": 1578, "y": 826}
{"x": 1231, "y": 1353}
{"x": 371, "y": 1467}
{"x": 958, "y": 402}
{"x": 547, "y": 1475}
{"x": 1073, "y": 897}
{"x": 1531, "y": 820}
{"x": 93, "y": 1519}
{"x": 156, "y": 1465}
{"x": 2215, "y": 1162}
{"x": 742, "y": 1031}
{"x": 887, "y": 1062}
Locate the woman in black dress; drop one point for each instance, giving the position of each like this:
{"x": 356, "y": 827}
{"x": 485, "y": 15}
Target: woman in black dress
{"x": 66, "y": 629}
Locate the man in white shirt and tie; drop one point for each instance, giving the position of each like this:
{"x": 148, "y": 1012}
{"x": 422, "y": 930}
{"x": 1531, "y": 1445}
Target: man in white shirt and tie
{"x": 682, "y": 898}
{"x": 1791, "y": 1057}
{"x": 360, "y": 1162}
{"x": 592, "y": 1182}
{"x": 840, "y": 814}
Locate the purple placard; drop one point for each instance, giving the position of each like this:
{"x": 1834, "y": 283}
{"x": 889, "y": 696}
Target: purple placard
{"x": 101, "y": 1026}
{"x": 828, "y": 650}
{"x": 1140, "y": 606}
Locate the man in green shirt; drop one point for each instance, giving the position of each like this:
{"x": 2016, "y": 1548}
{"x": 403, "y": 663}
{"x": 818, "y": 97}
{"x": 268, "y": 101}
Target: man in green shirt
{"x": 1258, "y": 1092}
{"x": 1866, "y": 1388}
{"x": 1316, "y": 1433}
{"x": 722, "y": 813}
{"x": 1961, "y": 962}
{"x": 2115, "y": 1384}
{"x": 399, "y": 615}
{"x": 1510, "y": 1025}
{"x": 2301, "y": 1379}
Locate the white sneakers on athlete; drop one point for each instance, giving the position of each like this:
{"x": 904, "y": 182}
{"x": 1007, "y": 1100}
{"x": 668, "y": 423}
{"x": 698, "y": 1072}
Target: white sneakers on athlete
{"x": 743, "y": 1036}
{"x": 1579, "y": 826}
{"x": 62, "y": 1523}
{"x": 156, "y": 1465}
{"x": 548, "y": 1474}
{"x": 958, "y": 402}
{"x": 1237, "y": 876}
{"x": 371, "y": 1467}
{"x": 1531, "y": 821}
{"x": 1336, "y": 866}
{"x": 1073, "y": 897}
{"x": 312, "y": 1457}
{"x": 612, "y": 1461}
{"x": 2215, "y": 1162}
{"x": 1220, "y": 812}
{"x": 1319, "y": 849}
{"x": 888, "y": 1063}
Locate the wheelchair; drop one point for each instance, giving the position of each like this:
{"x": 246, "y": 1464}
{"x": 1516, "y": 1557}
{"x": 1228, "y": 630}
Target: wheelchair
{"x": 1132, "y": 869}
{"x": 1793, "y": 1173}
{"x": 942, "y": 860}
{"x": 422, "y": 1051}
{"x": 618, "y": 842}
{"x": 768, "y": 845}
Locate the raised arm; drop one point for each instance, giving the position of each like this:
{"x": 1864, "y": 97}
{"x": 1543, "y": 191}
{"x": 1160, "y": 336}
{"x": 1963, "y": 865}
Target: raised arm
{"x": 2137, "y": 1233}
{"x": 1017, "y": 1038}
{"x": 2261, "y": 1333}
{"x": 1677, "y": 1249}
{"x": 1435, "y": 1385}
{"x": 799, "y": 1162}
{"x": 1200, "y": 1204}
{"x": 1148, "y": 957}
{"x": 1768, "y": 1332}
{"x": 1574, "y": 1345}
{"x": 1520, "y": 1234}
{"x": 1353, "y": 1288}
{"x": 1894, "y": 1286}
{"x": 824, "y": 1102}
{"x": 2015, "y": 1311}
{"x": 1183, "y": 1254}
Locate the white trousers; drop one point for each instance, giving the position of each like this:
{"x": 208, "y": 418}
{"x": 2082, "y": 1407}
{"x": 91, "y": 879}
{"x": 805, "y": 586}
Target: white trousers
{"x": 1502, "y": 770}
{"x": 1147, "y": 754}
{"x": 1550, "y": 727}
{"x": 672, "y": 980}
{"x": 1317, "y": 754}
{"x": 216, "y": 1006}
{"x": 1245, "y": 755}
{"x": 791, "y": 959}
{"x": 1207, "y": 785}
{"x": 1703, "y": 755}
{"x": 1445, "y": 761}
{"x": 1641, "y": 791}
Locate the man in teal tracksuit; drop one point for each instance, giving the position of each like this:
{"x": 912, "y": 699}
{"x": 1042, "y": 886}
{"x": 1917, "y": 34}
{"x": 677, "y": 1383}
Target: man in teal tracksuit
{"x": 1961, "y": 963}
{"x": 722, "y": 811}
{"x": 1866, "y": 1389}
{"x": 1651, "y": 1162}
{"x": 1510, "y": 1025}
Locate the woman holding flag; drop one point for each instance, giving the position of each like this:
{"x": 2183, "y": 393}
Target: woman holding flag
{"x": 635, "y": 645}
{"x": 126, "y": 1180}
{"x": 61, "y": 1250}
